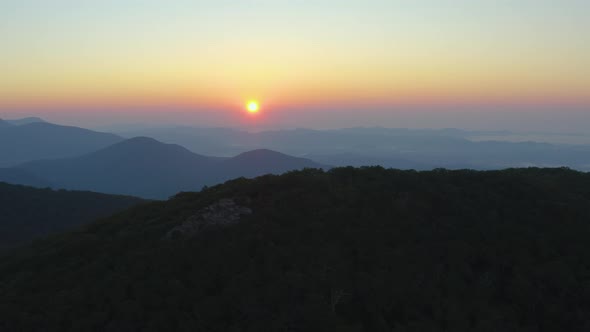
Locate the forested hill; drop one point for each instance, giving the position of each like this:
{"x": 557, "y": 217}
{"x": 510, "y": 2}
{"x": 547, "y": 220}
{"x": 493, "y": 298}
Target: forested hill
{"x": 344, "y": 250}
{"x": 27, "y": 213}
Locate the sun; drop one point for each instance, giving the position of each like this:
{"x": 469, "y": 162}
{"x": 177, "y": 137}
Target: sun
{"x": 252, "y": 106}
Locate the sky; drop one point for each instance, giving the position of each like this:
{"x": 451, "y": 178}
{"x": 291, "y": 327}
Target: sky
{"x": 475, "y": 64}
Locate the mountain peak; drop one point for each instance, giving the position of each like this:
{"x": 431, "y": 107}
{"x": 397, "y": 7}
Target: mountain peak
{"x": 262, "y": 153}
{"x": 264, "y": 161}
{"x": 44, "y": 140}
{"x": 142, "y": 140}
{"x": 148, "y": 145}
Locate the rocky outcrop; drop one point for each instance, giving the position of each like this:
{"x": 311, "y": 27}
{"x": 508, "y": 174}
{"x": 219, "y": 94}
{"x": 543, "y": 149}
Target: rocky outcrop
{"x": 222, "y": 213}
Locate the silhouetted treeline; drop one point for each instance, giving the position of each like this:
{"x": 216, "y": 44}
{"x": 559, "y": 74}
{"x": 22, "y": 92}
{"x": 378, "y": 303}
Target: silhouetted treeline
{"x": 27, "y": 213}
{"x": 344, "y": 250}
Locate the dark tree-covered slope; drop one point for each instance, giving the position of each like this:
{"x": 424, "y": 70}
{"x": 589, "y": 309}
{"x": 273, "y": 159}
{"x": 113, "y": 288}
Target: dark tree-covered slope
{"x": 27, "y": 213}
{"x": 344, "y": 250}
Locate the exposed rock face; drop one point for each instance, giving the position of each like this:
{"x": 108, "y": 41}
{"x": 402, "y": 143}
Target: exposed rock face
{"x": 222, "y": 213}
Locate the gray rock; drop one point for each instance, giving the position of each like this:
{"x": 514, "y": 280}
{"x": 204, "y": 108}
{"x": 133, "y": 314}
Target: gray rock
{"x": 223, "y": 213}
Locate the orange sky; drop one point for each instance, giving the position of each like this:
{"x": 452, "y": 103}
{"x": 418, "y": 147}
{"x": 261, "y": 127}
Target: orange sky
{"x": 292, "y": 54}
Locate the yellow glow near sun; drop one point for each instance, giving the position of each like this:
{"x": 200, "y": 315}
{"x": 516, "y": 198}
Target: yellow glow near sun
{"x": 253, "y": 106}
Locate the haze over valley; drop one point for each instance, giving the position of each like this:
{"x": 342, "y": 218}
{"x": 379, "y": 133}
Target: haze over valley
{"x": 164, "y": 161}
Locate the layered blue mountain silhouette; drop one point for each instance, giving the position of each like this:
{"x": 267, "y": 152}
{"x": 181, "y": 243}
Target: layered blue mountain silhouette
{"x": 20, "y": 176}
{"x": 264, "y": 161}
{"x": 147, "y": 168}
{"x": 41, "y": 154}
{"x": 41, "y": 140}
{"x": 389, "y": 147}
{"x": 23, "y": 121}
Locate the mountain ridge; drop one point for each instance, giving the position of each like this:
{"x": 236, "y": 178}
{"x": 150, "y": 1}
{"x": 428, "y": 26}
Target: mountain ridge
{"x": 27, "y": 120}
{"x": 350, "y": 249}
{"x": 22, "y": 177}
{"x": 43, "y": 140}
{"x": 148, "y": 168}
{"x": 29, "y": 213}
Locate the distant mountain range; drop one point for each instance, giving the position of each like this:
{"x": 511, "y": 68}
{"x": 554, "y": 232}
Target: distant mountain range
{"x": 58, "y": 156}
{"x": 26, "y": 139}
{"x": 388, "y": 147}
{"x": 23, "y": 121}
{"x": 263, "y": 161}
{"x": 147, "y": 168}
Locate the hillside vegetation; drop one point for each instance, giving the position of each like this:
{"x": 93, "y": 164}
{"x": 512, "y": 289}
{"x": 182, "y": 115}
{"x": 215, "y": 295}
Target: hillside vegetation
{"x": 344, "y": 250}
{"x": 27, "y": 213}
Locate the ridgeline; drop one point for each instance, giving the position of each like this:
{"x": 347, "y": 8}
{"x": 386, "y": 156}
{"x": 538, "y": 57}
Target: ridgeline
{"x": 344, "y": 250}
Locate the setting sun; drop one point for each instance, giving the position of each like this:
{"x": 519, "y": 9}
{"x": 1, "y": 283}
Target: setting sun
{"x": 252, "y": 106}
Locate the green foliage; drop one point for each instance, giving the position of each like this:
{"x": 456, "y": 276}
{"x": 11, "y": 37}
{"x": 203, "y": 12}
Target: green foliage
{"x": 346, "y": 250}
{"x": 27, "y": 213}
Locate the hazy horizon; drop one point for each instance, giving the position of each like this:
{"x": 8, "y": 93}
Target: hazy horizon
{"x": 481, "y": 65}
{"x": 575, "y": 120}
